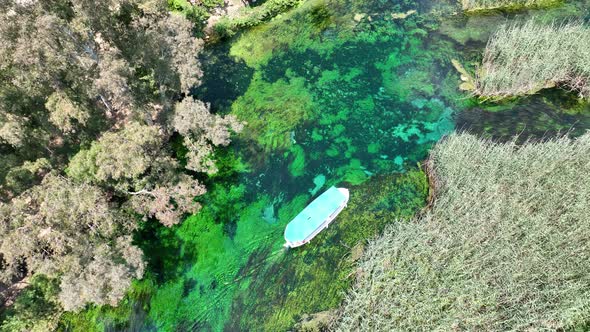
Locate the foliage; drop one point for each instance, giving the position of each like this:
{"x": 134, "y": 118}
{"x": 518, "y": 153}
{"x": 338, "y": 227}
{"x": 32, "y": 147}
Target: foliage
{"x": 523, "y": 58}
{"x": 196, "y": 11}
{"x": 65, "y": 114}
{"x": 117, "y": 61}
{"x": 273, "y": 110}
{"x": 119, "y": 156}
{"x": 35, "y": 310}
{"x": 20, "y": 178}
{"x": 97, "y": 81}
{"x": 67, "y": 230}
{"x": 503, "y": 247}
{"x": 252, "y": 16}
{"x": 202, "y": 131}
{"x": 132, "y": 162}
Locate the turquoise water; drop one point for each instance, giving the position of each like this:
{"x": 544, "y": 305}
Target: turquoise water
{"x": 333, "y": 93}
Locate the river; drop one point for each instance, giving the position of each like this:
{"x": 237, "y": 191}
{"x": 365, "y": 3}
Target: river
{"x": 334, "y": 92}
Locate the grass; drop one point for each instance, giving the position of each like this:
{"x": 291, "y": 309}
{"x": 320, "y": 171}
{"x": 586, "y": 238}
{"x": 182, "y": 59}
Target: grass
{"x": 252, "y": 16}
{"x": 522, "y": 59}
{"x": 198, "y": 12}
{"x": 479, "y": 5}
{"x": 314, "y": 278}
{"x": 505, "y": 245}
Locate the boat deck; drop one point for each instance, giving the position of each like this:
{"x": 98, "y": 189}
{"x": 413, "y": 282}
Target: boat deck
{"x": 316, "y": 216}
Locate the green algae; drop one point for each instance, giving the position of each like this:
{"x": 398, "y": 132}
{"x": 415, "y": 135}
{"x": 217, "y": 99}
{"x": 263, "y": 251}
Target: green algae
{"x": 273, "y": 110}
{"x": 297, "y": 165}
{"x": 361, "y": 99}
{"x": 373, "y": 147}
{"x": 203, "y": 291}
{"x": 101, "y": 318}
{"x": 257, "y": 45}
{"x": 314, "y": 278}
{"x": 318, "y": 182}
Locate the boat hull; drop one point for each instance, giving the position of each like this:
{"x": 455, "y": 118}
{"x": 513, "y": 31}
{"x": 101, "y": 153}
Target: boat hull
{"x": 323, "y": 225}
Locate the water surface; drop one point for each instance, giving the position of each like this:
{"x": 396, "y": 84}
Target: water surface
{"x": 333, "y": 93}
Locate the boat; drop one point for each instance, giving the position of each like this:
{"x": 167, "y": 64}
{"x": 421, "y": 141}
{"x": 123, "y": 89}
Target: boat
{"x": 315, "y": 217}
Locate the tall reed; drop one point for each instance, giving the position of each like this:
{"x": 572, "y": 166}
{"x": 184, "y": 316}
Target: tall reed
{"x": 521, "y": 59}
{"x": 505, "y": 246}
{"x": 476, "y": 5}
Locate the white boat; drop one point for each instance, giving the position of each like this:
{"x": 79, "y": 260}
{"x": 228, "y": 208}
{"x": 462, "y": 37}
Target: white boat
{"x": 315, "y": 217}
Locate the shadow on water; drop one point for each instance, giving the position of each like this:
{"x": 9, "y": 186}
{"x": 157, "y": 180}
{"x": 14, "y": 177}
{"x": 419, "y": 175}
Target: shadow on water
{"x": 552, "y": 113}
{"x": 225, "y": 78}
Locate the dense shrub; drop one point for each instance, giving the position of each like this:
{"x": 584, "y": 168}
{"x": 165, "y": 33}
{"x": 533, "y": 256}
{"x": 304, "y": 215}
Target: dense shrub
{"x": 252, "y": 16}
{"x": 522, "y": 59}
{"x": 505, "y": 246}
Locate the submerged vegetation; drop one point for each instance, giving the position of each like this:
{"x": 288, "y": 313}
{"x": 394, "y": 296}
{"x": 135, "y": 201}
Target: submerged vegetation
{"x": 524, "y": 58}
{"x": 505, "y": 246}
{"x": 272, "y": 111}
{"x": 123, "y": 205}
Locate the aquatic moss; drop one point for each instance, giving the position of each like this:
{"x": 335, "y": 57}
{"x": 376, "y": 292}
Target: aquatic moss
{"x": 313, "y": 278}
{"x": 257, "y": 45}
{"x": 299, "y": 32}
{"x": 165, "y": 303}
{"x": 201, "y": 295}
{"x": 129, "y": 314}
{"x": 297, "y": 165}
{"x": 251, "y": 16}
{"x": 411, "y": 84}
{"x": 273, "y": 110}
{"x": 373, "y": 147}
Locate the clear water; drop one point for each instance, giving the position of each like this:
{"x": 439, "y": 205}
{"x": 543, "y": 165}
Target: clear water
{"x": 334, "y": 93}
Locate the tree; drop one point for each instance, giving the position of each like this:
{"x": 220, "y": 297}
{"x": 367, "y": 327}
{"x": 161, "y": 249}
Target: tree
{"x": 119, "y": 158}
{"x": 101, "y": 280}
{"x": 202, "y": 131}
{"x": 60, "y": 228}
{"x": 133, "y": 162}
{"x": 91, "y": 86}
{"x": 65, "y": 113}
{"x": 20, "y": 178}
{"x": 13, "y": 129}
{"x": 169, "y": 203}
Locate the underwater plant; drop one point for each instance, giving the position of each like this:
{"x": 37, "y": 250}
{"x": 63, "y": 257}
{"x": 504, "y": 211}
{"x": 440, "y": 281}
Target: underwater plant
{"x": 272, "y": 111}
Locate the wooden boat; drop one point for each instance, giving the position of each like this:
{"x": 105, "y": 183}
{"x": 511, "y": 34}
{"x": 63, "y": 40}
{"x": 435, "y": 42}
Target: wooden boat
{"x": 315, "y": 217}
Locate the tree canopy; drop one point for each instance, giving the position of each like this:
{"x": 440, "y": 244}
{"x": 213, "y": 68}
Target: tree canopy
{"x": 91, "y": 92}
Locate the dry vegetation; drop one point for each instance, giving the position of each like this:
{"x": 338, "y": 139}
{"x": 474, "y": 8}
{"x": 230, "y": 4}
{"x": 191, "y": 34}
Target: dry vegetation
{"x": 476, "y": 5}
{"x": 524, "y": 58}
{"x": 506, "y": 245}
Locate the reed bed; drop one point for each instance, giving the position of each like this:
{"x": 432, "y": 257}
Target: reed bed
{"x": 521, "y": 59}
{"x": 477, "y": 5}
{"x": 505, "y": 245}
